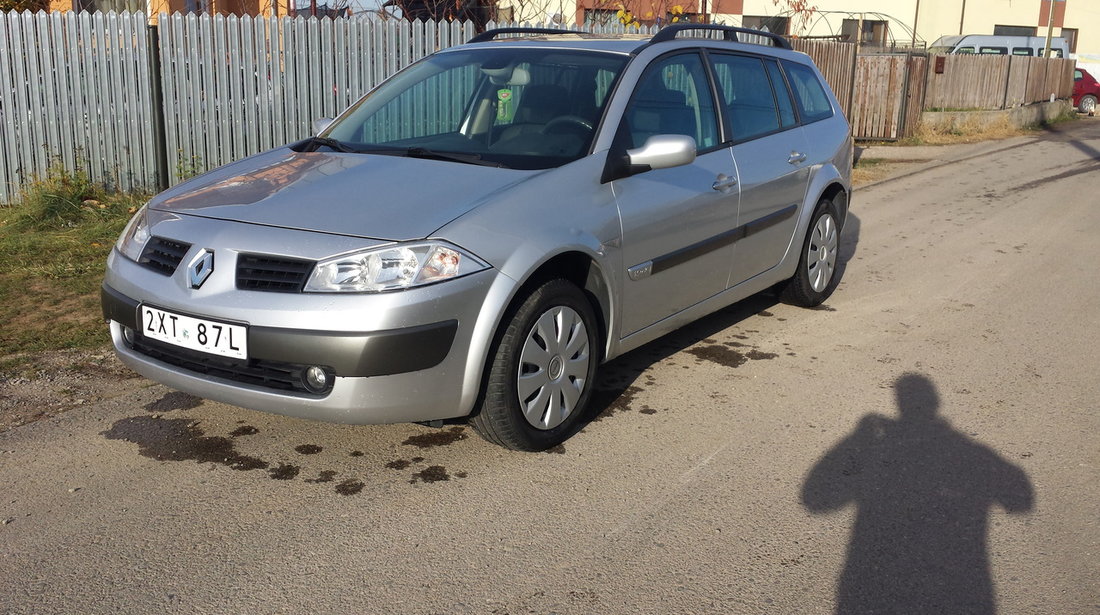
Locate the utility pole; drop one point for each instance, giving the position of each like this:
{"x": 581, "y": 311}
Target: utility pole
{"x": 1050, "y": 30}
{"x": 962, "y": 17}
{"x": 916, "y": 18}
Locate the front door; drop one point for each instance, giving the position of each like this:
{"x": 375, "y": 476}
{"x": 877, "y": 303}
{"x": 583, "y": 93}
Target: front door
{"x": 677, "y": 223}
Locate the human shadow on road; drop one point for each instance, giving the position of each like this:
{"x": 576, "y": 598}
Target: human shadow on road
{"x": 923, "y": 494}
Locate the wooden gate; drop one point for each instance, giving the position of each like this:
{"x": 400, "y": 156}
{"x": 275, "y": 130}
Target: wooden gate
{"x": 889, "y": 96}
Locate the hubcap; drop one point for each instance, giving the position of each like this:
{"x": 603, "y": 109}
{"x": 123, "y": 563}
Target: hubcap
{"x": 1089, "y": 104}
{"x": 553, "y": 367}
{"x": 821, "y": 253}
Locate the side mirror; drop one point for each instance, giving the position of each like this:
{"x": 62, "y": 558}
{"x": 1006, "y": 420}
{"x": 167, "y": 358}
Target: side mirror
{"x": 319, "y": 125}
{"x": 658, "y": 152}
{"x": 662, "y": 152}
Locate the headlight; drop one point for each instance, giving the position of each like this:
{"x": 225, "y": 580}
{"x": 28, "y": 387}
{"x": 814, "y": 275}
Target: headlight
{"x": 132, "y": 241}
{"x": 392, "y": 268}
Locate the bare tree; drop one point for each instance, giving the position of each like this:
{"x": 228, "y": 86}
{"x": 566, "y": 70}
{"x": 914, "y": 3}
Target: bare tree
{"x": 800, "y": 11}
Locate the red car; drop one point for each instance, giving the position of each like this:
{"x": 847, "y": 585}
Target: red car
{"x": 1085, "y": 91}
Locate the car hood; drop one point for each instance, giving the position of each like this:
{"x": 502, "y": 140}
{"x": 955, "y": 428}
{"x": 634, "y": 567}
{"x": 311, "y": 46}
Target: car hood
{"x": 373, "y": 196}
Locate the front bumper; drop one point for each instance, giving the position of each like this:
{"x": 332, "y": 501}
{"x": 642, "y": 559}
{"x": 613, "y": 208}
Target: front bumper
{"x": 417, "y": 357}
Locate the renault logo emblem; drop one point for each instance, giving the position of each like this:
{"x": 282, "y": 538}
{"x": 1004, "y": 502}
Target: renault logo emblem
{"x": 201, "y": 267}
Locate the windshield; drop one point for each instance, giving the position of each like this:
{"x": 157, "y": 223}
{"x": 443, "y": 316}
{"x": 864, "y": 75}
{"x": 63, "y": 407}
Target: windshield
{"x": 519, "y": 108}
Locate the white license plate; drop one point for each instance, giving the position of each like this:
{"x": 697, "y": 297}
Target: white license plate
{"x": 211, "y": 336}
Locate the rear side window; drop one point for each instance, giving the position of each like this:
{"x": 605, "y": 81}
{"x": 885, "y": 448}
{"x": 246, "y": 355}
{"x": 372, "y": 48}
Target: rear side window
{"x": 809, "y": 93}
{"x": 782, "y": 95}
{"x": 1022, "y": 51}
{"x": 746, "y": 95}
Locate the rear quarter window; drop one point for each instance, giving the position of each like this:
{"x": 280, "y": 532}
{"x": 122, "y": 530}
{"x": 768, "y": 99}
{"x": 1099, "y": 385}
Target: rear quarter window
{"x": 809, "y": 93}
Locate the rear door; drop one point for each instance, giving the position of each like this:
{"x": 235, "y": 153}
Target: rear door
{"x": 770, "y": 152}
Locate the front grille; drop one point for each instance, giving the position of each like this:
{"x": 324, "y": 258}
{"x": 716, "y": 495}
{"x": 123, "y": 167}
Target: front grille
{"x": 272, "y": 274}
{"x": 267, "y": 374}
{"x": 163, "y": 255}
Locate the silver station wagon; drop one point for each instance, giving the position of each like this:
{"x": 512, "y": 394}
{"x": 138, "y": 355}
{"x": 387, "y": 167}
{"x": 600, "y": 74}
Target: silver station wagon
{"x": 476, "y": 235}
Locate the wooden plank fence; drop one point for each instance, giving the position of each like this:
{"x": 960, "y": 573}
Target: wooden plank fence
{"x": 989, "y": 82}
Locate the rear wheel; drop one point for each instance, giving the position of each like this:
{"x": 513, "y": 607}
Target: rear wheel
{"x": 816, "y": 277}
{"x": 542, "y": 371}
{"x": 1087, "y": 104}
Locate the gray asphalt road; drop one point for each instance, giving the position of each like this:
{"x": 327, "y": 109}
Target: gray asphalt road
{"x": 924, "y": 443}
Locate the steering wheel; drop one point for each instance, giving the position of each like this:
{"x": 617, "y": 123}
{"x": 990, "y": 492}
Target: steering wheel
{"x": 570, "y": 122}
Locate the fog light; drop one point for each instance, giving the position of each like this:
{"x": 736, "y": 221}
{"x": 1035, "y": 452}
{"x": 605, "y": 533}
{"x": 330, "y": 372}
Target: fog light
{"x": 316, "y": 379}
{"x": 128, "y": 335}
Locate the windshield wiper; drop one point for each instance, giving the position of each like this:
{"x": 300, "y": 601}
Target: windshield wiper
{"x": 313, "y": 143}
{"x": 421, "y": 152}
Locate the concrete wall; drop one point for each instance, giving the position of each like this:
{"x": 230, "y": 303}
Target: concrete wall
{"x": 1019, "y": 117}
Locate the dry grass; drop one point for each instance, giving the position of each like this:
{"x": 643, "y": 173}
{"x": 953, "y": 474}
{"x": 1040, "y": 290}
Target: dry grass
{"x": 968, "y": 131}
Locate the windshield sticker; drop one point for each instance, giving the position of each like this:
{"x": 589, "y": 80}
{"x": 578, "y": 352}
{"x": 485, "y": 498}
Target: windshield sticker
{"x": 504, "y": 105}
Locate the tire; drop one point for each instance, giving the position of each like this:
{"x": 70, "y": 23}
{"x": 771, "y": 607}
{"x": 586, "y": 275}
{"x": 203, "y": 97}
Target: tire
{"x": 1087, "y": 105}
{"x": 817, "y": 275}
{"x": 542, "y": 370}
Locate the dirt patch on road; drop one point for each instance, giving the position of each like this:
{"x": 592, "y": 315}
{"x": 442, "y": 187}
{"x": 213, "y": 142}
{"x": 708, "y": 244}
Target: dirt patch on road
{"x": 38, "y": 386}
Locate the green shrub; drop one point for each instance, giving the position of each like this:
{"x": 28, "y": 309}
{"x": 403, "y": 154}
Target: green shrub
{"x": 62, "y": 199}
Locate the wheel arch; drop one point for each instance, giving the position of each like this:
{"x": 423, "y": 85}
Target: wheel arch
{"x": 577, "y": 267}
{"x": 582, "y": 270}
{"x": 836, "y": 193}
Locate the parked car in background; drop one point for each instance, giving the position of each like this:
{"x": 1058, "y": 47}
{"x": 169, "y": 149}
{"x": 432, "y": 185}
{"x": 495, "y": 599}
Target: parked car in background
{"x": 476, "y": 235}
{"x": 1086, "y": 91}
{"x": 999, "y": 45}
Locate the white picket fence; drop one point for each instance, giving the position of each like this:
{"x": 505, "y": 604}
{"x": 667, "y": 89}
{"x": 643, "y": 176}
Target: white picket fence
{"x": 139, "y": 107}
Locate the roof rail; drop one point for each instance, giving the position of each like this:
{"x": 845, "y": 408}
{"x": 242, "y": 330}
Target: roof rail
{"x": 669, "y": 33}
{"x": 489, "y": 35}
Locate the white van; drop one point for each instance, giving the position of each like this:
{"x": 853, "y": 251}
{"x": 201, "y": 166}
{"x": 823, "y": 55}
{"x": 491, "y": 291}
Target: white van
{"x": 999, "y": 45}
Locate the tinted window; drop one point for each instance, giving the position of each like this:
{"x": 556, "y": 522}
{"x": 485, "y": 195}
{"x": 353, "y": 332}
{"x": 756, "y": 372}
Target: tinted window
{"x": 747, "y": 96}
{"x": 782, "y": 95}
{"x": 993, "y": 50}
{"x": 1022, "y": 51}
{"x": 813, "y": 102}
{"x": 673, "y": 98}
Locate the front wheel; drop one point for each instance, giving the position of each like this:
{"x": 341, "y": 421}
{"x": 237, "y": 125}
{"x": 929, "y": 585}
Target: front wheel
{"x": 1087, "y": 104}
{"x": 542, "y": 371}
{"x": 816, "y": 277}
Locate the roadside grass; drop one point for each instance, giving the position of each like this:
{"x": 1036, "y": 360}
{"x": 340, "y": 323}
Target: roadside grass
{"x": 975, "y": 130}
{"x": 54, "y": 244}
{"x": 867, "y": 170}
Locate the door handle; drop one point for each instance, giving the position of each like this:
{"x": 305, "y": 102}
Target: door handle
{"x": 796, "y": 158}
{"x": 724, "y": 182}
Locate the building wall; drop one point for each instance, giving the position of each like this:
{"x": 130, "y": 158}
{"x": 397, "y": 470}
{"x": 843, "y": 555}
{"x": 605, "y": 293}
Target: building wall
{"x": 934, "y": 18}
{"x": 944, "y": 17}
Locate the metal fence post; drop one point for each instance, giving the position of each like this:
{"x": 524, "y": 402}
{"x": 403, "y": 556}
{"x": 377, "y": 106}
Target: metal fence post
{"x": 160, "y": 148}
